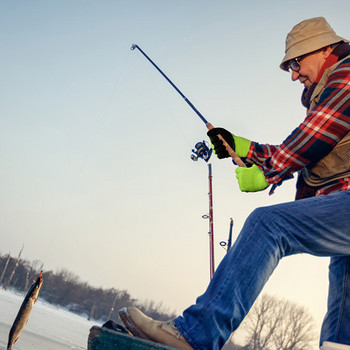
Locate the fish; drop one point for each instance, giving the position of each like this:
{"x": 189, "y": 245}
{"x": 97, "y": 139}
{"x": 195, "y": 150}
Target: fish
{"x": 24, "y": 311}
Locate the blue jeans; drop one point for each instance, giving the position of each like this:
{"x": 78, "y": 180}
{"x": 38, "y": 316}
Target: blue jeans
{"x": 319, "y": 226}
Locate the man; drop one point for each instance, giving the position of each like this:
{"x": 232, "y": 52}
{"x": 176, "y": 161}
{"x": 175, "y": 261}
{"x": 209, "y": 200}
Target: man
{"x": 318, "y": 224}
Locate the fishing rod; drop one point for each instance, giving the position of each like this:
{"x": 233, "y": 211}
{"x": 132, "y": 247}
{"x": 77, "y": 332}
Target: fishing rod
{"x": 230, "y": 151}
{"x": 211, "y": 223}
{"x": 201, "y": 150}
{"x": 229, "y": 241}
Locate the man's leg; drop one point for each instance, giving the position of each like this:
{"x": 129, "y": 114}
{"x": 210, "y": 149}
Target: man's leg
{"x": 336, "y": 325}
{"x": 318, "y": 226}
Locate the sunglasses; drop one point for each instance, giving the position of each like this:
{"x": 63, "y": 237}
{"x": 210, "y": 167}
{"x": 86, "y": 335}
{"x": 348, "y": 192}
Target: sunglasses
{"x": 294, "y": 64}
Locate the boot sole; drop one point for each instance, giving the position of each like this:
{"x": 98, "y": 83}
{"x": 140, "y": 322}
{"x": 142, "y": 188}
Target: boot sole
{"x": 124, "y": 316}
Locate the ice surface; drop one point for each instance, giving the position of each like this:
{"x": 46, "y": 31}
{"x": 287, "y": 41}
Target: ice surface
{"x": 48, "y": 328}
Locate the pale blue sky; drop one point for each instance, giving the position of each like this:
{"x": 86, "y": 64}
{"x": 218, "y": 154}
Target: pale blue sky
{"x": 95, "y": 145}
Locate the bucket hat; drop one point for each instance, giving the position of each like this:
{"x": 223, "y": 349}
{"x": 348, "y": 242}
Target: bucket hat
{"x": 308, "y": 36}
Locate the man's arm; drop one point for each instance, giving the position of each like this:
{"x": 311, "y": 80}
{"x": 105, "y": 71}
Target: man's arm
{"x": 325, "y": 125}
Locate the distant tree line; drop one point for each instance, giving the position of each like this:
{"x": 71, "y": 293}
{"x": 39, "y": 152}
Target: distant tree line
{"x": 66, "y": 290}
{"x": 272, "y": 323}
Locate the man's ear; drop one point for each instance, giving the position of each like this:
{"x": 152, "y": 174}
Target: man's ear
{"x": 327, "y": 51}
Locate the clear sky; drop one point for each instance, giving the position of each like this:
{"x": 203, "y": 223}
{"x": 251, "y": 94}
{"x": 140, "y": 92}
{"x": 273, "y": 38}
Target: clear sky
{"x": 95, "y": 145}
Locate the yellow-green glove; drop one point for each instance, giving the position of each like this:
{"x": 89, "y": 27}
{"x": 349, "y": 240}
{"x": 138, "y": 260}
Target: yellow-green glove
{"x": 251, "y": 179}
{"x": 239, "y": 144}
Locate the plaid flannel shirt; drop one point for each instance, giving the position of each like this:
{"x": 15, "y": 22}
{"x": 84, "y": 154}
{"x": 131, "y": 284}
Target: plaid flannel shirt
{"x": 324, "y": 126}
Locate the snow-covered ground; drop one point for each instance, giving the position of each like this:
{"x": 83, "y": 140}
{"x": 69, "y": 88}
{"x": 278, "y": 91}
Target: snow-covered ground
{"x": 48, "y": 328}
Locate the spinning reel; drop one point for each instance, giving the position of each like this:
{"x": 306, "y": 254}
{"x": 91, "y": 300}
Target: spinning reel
{"x": 201, "y": 151}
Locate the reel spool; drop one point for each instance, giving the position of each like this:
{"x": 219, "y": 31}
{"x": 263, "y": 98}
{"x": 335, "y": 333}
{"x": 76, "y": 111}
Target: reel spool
{"x": 201, "y": 150}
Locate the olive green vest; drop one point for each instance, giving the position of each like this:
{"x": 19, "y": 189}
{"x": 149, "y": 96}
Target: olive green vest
{"x": 336, "y": 164}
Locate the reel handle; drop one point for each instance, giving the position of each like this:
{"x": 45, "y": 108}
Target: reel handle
{"x": 230, "y": 151}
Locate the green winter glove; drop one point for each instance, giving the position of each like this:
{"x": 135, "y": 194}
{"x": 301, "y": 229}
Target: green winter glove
{"x": 239, "y": 144}
{"x": 242, "y": 146}
{"x": 251, "y": 179}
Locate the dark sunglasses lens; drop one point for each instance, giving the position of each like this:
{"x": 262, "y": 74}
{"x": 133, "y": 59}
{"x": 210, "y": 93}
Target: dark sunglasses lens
{"x": 294, "y": 65}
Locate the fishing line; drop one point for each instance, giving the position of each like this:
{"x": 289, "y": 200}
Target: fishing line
{"x": 165, "y": 101}
{"x": 101, "y": 121}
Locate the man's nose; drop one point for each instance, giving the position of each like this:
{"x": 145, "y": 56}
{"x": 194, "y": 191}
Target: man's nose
{"x": 295, "y": 75}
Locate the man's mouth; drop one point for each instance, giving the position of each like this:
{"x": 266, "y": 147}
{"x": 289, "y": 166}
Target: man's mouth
{"x": 304, "y": 81}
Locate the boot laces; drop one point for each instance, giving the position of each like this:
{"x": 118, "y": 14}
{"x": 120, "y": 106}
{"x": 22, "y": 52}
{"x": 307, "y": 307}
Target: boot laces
{"x": 171, "y": 323}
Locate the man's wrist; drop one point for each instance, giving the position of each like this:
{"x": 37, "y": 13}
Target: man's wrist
{"x": 242, "y": 145}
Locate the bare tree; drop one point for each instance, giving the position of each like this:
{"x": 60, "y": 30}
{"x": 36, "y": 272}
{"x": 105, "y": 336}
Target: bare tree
{"x": 5, "y": 268}
{"x": 297, "y": 330}
{"x": 276, "y": 324}
{"x": 14, "y": 269}
{"x": 32, "y": 269}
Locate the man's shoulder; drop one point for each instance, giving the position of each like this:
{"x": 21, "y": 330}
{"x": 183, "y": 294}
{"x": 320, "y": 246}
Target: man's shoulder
{"x": 340, "y": 71}
{"x": 344, "y": 63}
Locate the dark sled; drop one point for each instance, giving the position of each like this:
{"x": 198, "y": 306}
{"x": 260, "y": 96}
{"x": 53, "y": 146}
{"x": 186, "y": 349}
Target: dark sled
{"x": 101, "y": 338}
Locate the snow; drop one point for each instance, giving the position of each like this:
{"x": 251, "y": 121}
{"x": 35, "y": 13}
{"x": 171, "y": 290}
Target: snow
{"x": 49, "y": 327}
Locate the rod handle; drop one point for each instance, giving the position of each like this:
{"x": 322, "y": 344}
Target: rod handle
{"x": 230, "y": 151}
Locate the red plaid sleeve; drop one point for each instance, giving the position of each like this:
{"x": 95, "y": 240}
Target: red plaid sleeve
{"x": 323, "y": 127}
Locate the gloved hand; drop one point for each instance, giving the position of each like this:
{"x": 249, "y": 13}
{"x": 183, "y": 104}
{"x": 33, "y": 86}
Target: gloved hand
{"x": 239, "y": 144}
{"x": 251, "y": 179}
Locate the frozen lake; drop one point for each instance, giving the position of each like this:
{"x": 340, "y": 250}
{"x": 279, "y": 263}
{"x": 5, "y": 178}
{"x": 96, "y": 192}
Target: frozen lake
{"x": 48, "y": 328}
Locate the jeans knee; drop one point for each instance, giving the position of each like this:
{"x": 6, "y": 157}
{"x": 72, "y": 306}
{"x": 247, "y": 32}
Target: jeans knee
{"x": 268, "y": 224}
{"x": 261, "y": 217}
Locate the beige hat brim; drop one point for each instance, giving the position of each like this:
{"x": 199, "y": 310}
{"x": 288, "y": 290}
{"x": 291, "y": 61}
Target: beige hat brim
{"x": 309, "y": 45}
